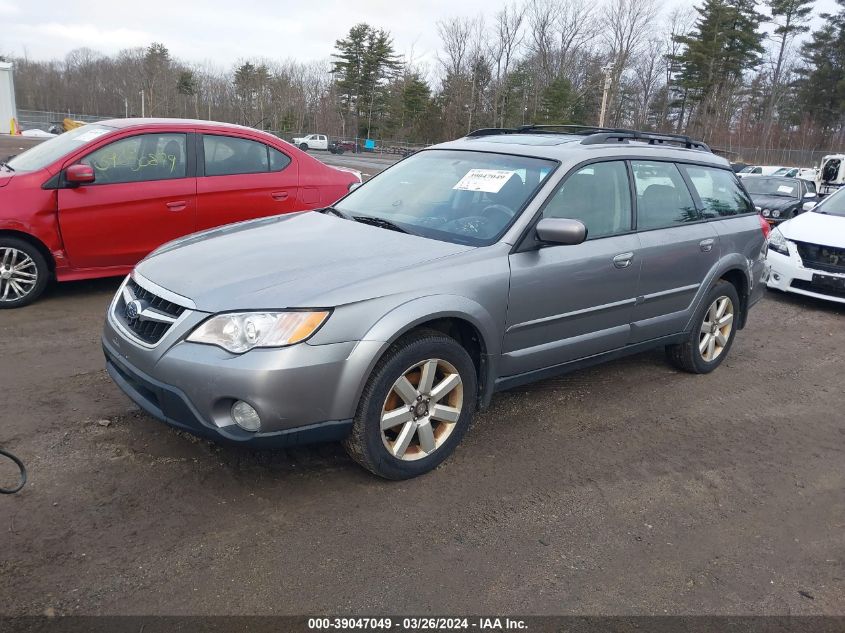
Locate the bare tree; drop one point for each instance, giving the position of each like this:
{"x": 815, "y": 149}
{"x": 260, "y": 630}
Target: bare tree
{"x": 504, "y": 46}
{"x": 625, "y": 28}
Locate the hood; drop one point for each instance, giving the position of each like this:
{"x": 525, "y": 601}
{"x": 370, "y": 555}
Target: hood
{"x": 774, "y": 202}
{"x": 288, "y": 261}
{"x": 815, "y": 228}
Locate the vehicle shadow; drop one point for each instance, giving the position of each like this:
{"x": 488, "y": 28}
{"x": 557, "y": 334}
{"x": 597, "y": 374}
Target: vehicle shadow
{"x": 76, "y": 289}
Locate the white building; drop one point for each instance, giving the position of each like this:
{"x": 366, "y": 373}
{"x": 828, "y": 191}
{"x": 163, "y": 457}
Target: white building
{"x": 8, "y": 111}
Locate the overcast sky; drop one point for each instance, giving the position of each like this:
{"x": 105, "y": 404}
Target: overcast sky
{"x": 222, "y": 31}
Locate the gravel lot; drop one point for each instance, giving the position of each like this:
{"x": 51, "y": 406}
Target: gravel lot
{"x": 628, "y": 488}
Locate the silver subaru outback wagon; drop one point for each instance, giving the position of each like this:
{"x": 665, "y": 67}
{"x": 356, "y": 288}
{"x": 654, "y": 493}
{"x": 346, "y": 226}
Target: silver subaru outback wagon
{"x": 388, "y": 319}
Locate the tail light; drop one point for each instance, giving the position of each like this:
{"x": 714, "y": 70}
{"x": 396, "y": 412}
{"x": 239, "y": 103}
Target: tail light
{"x": 764, "y": 226}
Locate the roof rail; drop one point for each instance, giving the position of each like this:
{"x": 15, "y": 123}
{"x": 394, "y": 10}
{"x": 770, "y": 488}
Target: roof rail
{"x": 545, "y": 129}
{"x": 652, "y": 138}
{"x": 597, "y": 135}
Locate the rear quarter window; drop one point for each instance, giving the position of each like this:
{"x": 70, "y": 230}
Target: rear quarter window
{"x": 719, "y": 192}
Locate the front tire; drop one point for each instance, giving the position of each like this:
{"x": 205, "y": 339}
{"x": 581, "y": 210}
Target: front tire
{"x": 416, "y": 407}
{"x": 303, "y": 147}
{"x": 713, "y": 332}
{"x": 23, "y": 273}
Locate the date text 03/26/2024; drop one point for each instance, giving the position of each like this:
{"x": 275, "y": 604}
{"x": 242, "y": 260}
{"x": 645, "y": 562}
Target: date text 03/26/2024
{"x": 416, "y": 624}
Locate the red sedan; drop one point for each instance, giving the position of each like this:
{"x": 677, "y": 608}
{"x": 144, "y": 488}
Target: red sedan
{"x": 94, "y": 201}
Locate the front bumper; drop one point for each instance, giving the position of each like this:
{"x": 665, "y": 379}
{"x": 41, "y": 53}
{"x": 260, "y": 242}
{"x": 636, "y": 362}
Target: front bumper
{"x": 788, "y": 274}
{"x": 303, "y": 393}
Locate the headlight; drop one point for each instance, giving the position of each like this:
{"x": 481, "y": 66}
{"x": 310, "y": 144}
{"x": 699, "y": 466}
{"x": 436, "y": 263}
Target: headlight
{"x": 777, "y": 242}
{"x": 239, "y": 332}
{"x": 776, "y": 213}
{"x": 766, "y": 212}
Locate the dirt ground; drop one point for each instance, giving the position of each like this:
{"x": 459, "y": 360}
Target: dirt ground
{"x": 628, "y": 488}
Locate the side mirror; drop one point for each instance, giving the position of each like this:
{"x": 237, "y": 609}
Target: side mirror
{"x": 79, "y": 174}
{"x": 807, "y": 206}
{"x": 561, "y": 231}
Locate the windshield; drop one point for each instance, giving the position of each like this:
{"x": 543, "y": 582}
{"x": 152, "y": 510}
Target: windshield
{"x": 784, "y": 187}
{"x": 452, "y": 195}
{"x": 833, "y": 205}
{"x": 43, "y": 154}
{"x": 786, "y": 171}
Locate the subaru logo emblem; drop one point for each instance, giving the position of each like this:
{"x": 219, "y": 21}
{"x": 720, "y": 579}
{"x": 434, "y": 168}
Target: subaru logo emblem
{"x": 133, "y": 309}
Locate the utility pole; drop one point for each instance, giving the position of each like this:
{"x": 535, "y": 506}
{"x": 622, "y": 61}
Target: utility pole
{"x": 142, "y": 103}
{"x": 126, "y": 107}
{"x": 608, "y": 78}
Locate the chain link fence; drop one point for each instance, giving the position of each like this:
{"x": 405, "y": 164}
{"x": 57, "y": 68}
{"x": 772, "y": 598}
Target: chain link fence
{"x": 360, "y": 145}
{"x": 44, "y": 119}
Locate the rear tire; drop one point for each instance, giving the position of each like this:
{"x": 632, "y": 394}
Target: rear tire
{"x": 712, "y": 334}
{"x": 425, "y": 385}
{"x": 24, "y": 273}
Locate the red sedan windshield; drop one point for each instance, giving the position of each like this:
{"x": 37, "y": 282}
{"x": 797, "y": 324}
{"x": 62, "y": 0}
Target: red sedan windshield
{"x": 43, "y": 154}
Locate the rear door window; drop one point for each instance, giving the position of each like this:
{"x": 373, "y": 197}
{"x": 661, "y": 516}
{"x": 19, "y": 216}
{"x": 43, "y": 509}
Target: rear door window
{"x": 663, "y": 199}
{"x": 719, "y": 192}
{"x": 229, "y": 155}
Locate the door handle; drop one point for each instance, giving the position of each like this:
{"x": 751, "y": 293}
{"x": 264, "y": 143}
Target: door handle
{"x": 623, "y": 260}
{"x": 279, "y": 195}
{"x": 706, "y": 245}
{"x": 177, "y": 205}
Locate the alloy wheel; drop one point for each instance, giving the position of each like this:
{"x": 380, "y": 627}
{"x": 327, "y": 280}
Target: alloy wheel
{"x": 422, "y": 409}
{"x": 716, "y": 328}
{"x": 18, "y": 274}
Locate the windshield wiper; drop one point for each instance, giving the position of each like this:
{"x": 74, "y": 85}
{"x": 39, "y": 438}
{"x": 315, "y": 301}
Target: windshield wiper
{"x": 382, "y": 223}
{"x": 4, "y": 163}
{"x": 337, "y": 212}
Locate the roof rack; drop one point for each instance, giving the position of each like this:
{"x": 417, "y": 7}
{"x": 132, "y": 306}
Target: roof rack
{"x": 597, "y": 135}
{"x": 623, "y": 136}
{"x": 547, "y": 129}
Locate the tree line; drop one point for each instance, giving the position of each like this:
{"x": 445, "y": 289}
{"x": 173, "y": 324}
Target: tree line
{"x": 736, "y": 73}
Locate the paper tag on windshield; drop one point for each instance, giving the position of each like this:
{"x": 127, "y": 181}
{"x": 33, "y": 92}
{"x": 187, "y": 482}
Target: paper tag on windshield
{"x": 785, "y": 189}
{"x": 487, "y": 180}
{"x": 90, "y": 135}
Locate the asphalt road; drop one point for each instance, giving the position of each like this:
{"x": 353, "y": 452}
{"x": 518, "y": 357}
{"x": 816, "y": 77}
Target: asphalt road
{"x": 629, "y": 488}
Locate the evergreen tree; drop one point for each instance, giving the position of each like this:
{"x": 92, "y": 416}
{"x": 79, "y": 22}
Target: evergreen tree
{"x": 725, "y": 43}
{"x": 365, "y": 61}
{"x": 790, "y": 19}
{"x": 821, "y": 90}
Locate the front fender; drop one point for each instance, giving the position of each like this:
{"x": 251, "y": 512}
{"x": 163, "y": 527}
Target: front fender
{"x": 404, "y": 318}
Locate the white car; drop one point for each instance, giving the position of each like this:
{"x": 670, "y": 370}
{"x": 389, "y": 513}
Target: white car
{"x": 312, "y": 141}
{"x": 759, "y": 170}
{"x": 806, "y": 255}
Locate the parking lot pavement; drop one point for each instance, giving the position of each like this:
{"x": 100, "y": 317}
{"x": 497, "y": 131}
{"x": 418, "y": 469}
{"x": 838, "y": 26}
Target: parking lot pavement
{"x": 368, "y": 164}
{"x": 626, "y": 488}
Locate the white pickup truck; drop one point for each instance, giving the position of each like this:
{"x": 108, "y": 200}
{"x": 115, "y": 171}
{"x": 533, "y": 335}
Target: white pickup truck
{"x": 312, "y": 141}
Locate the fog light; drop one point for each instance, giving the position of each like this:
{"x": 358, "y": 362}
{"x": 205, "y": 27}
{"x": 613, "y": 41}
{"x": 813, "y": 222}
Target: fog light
{"x": 245, "y": 416}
